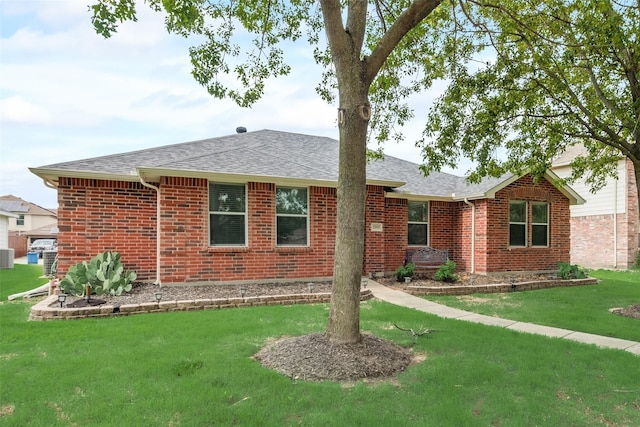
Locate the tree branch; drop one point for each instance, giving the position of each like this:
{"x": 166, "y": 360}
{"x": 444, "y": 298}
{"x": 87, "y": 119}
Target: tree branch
{"x": 336, "y": 35}
{"x": 409, "y": 19}
{"x": 414, "y": 333}
{"x": 356, "y": 23}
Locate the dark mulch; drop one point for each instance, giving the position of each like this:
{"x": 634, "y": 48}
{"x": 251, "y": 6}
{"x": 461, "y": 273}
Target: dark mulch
{"x": 631, "y": 311}
{"x": 146, "y": 292}
{"x": 314, "y": 358}
{"x": 465, "y": 279}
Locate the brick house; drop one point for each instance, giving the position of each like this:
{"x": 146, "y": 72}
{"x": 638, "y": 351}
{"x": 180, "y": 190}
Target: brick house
{"x": 605, "y": 231}
{"x": 262, "y": 206}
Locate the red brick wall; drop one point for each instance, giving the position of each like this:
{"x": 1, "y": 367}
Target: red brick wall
{"x": 444, "y": 227}
{"x": 96, "y": 216}
{"x": 492, "y": 229}
{"x": 395, "y": 233}
{"x": 192, "y": 260}
{"x": 592, "y": 242}
{"x": 374, "y": 241}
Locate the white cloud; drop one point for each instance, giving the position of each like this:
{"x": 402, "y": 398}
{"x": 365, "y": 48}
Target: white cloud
{"x": 18, "y": 110}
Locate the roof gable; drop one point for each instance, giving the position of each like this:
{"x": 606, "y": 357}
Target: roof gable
{"x": 11, "y": 203}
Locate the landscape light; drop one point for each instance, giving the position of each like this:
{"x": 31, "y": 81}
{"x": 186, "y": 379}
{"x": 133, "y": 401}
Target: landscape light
{"x": 61, "y": 299}
{"x": 158, "y": 296}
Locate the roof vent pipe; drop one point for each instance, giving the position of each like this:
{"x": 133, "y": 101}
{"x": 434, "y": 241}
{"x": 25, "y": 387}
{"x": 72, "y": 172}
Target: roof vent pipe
{"x": 241, "y": 129}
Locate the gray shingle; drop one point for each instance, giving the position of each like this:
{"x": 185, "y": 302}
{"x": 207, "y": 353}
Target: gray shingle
{"x": 271, "y": 153}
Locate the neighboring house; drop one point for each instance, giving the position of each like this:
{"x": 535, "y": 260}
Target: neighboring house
{"x": 262, "y": 206}
{"x": 4, "y": 228}
{"x": 6, "y": 254}
{"x": 605, "y": 230}
{"x": 30, "y": 222}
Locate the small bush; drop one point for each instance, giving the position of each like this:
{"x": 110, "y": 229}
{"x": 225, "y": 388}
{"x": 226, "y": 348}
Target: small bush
{"x": 405, "y": 271}
{"x": 571, "y": 271}
{"x": 447, "y": 272}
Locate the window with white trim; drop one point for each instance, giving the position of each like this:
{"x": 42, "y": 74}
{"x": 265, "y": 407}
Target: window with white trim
{"x": 517, "y": 223}
{"x": 539, "y": 224}
{"x": 292, "y": 216}
{"x": 227, "y": 215}
{"x": 418, "y": 224}
{"x": 20, "y": 220}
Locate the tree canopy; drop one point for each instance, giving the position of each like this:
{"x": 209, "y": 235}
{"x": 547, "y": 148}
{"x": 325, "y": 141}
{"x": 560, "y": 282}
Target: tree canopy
{"x": 550, "y": 74}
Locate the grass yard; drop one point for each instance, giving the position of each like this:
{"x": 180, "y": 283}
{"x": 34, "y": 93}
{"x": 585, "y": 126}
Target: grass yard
{"x": 583, "y": 308}
{"x": 196, "y": 368}
{"x": 23, "y": 277}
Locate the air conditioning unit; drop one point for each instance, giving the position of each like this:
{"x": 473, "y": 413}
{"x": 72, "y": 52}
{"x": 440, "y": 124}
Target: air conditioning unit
{"x": 48, "y": 258}
{"x": 6, "y": 258}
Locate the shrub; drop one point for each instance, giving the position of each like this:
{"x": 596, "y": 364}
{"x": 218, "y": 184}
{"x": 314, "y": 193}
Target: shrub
{"x": 405, "y": 271}
{"x": 446, "y": 272}
{"x": 104, "y": 273}
{"x": 571, "y": 271}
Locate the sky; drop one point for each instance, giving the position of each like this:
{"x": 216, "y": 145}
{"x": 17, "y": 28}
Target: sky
{"x": 66, "y": 94}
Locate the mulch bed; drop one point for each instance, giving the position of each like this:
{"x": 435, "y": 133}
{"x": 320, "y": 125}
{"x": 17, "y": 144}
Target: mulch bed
{"x": 631, "y": 311}
{"x": 314, "y": 358}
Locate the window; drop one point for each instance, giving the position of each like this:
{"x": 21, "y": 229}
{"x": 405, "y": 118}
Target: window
{"x": 292, "y": 215}
{"x": 517, "y": 223}
{"x": 539, "y": 224}
{"x": 20, "y": 220}
{"x": 227, "y": 214}
{"x": 418, "y": 230}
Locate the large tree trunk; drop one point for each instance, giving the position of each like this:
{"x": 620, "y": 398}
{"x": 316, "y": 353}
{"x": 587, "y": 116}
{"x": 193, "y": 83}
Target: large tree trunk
{"x": 344, "y": 315}
{"x": 355, "y": 73}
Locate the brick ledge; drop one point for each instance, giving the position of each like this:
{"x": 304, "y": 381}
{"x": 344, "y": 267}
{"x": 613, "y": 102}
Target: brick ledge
{"x": 42, "y": 310}
{"x": 497, "y": 288}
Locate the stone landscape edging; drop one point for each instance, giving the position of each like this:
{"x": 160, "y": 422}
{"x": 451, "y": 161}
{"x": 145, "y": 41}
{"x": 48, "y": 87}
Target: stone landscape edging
{"x": 496, "y": 287}
{"x": 44, "y": 311}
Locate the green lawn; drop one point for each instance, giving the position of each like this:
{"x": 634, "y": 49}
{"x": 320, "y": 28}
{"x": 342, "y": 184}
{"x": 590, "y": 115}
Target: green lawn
{"x": 23, "y": 277}
{"x": 583, "y": 308}
{"x": 196, "y": 368}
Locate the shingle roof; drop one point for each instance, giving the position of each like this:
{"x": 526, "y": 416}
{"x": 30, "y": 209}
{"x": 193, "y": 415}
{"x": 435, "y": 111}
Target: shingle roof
{"x": 267, "y": 154}
{"x": 11, "y": 203}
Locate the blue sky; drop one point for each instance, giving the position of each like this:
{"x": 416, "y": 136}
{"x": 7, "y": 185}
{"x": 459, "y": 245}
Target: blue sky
{"x": 67, "y": 94}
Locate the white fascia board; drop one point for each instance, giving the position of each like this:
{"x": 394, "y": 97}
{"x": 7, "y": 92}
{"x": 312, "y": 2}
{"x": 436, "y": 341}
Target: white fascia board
{"x": 9, "y": 214}
{"x": 476, "y": 196}
{"x": 572, "y": 195}
{"x": 55, "y": 174}
{"x": 154, "y": 174}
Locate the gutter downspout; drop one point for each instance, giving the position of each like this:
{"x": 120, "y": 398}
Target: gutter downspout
{"x": 157, "y": 190}
{"x": 50, "y": 184}
{"x": 473, "y": 234}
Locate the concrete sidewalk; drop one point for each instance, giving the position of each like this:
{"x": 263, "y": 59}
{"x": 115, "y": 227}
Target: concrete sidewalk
{"x": 407, "y": 300}
{"x": 24, "y": 260}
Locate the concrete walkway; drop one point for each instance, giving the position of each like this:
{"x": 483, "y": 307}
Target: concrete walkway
{"x": 407, "y": 300}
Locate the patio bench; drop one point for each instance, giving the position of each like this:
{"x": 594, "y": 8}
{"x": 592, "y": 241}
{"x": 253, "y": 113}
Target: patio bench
{"x": 426, "y": 259}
